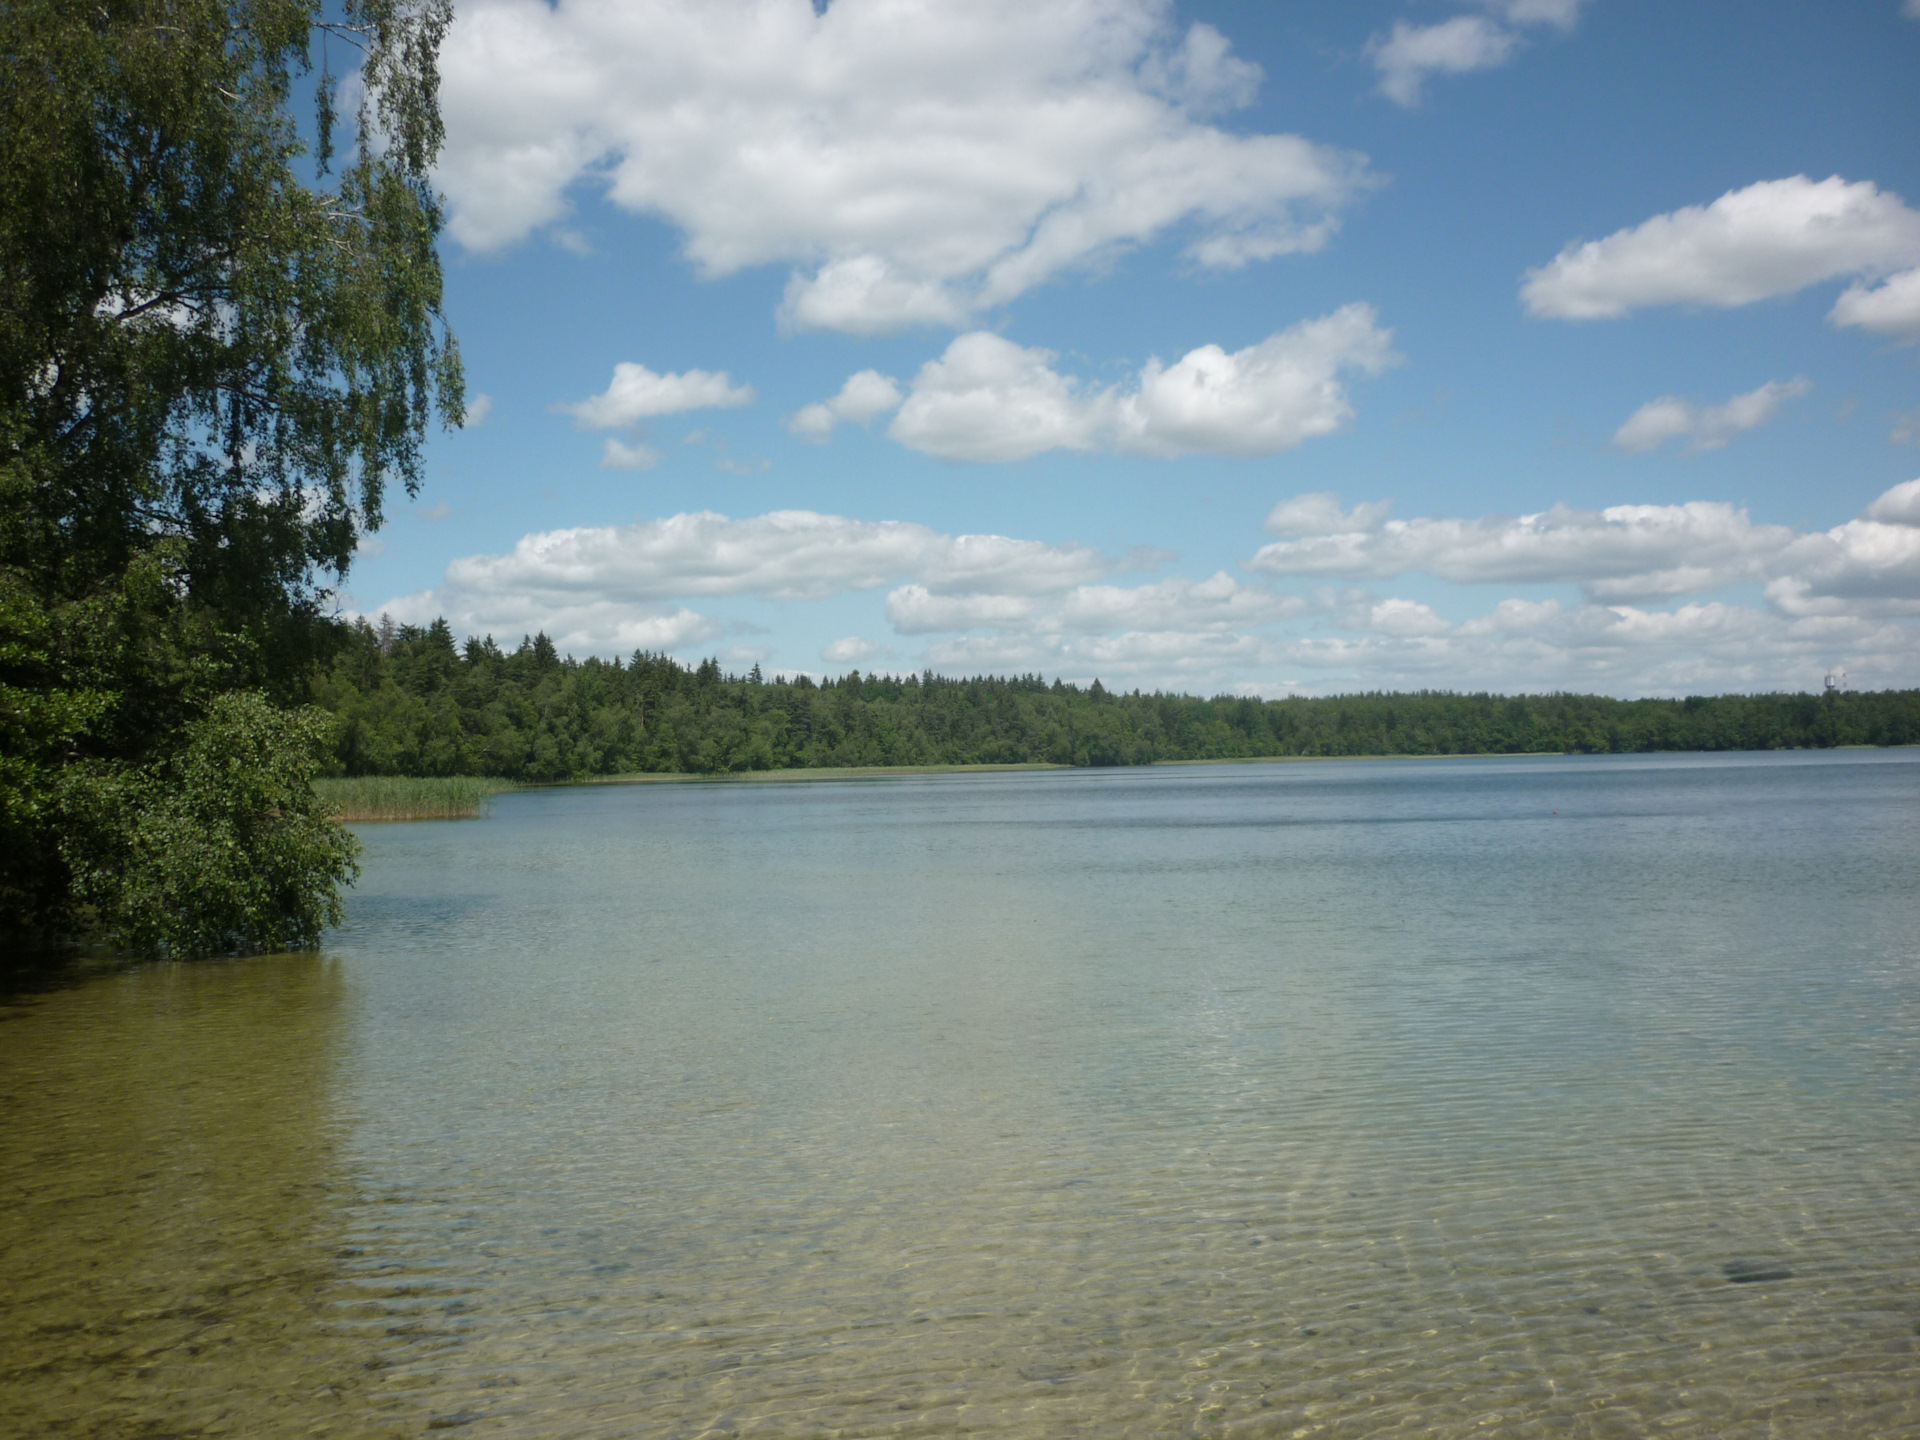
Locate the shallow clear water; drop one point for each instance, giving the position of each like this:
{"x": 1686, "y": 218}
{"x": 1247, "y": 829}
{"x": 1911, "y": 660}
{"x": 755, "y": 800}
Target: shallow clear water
{"x": 1413, "y": 1097}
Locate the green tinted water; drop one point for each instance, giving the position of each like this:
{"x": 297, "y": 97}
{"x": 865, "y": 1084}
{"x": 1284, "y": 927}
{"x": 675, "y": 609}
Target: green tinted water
{"x": 1339, "y": 1100}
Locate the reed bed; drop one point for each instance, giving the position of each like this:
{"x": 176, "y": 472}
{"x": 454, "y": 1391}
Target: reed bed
{"x": 402, "y": 797}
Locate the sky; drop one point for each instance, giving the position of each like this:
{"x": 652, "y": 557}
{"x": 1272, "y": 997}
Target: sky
{"x": 1260, "y": 348}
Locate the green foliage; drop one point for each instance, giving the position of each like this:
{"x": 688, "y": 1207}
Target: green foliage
{"x": 223, "y": 845}
{"x": 417, "y": 705}
{"x": 213, "y": 363}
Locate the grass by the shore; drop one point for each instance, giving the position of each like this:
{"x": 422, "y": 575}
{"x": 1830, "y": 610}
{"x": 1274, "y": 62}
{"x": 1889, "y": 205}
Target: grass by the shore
{"x": 401, "y": 797}
{"x": 843, "y": 772}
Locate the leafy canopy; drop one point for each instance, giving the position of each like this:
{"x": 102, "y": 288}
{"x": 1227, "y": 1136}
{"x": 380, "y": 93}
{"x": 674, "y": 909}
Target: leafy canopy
{"x": 217, "y": 352}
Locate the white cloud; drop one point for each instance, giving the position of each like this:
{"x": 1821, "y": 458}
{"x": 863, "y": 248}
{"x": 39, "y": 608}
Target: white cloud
{"x": 478, "y": 409}
{"x": 1201, "y": 75}
{"x": 1630, "y": 554}
{"x": 867, "y": 395}
{"x": 913, "y": 160}
{"x": 1405, "y": 618}
{"x": 1866, "y": 566}
{"x": 1265, "y": 398}
{"x": 1849, "y": 596}
{"x": 1906, "y": 428}
{"x": 988, "y": 399}
{"x": 849, "y": 650}
{"x": 1410, "y": 53}
{"x": 1170, "y": 659}
{"x": 576, "y": 625}
{"x": 1215, "y": 604}
{"x": 1705, "y": 427}
{"x": 916, "y": 610}
{"x": 1320, "y": 514}
{"x": 1769, "y": 239}
{"x": 604, "y": 581}
{"x": 616, "y": 454}
{"x": 1892, "y": 308}
{"x": 1910, "y": 9}
{"x": 1208, "y": 606}
{"x": 1845, "y": 596}
{"x": 1898, "y": 506}
{"x": 1559, "y": 13}
{"x": 785, "y": 555}
{"x": 867, "y": 295}
{"x": 1623, "y": 553}
{"x": 637, "y": 393}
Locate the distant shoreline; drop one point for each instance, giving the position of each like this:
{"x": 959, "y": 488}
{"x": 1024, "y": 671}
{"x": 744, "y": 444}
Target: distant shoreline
{"x": 885, "y": 772}
{"x": 384, "y": 799}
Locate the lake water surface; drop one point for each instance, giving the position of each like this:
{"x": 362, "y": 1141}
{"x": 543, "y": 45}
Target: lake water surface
{"x": 1529, "y": 1097}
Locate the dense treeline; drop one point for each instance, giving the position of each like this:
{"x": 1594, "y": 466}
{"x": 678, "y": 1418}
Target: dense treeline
{"x": 411, "y": 702}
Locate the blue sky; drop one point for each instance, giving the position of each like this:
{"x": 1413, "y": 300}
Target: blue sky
{"x": 1316, "y": 347}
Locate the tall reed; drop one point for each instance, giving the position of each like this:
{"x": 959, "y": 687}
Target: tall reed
{"x": 401, "y": 797}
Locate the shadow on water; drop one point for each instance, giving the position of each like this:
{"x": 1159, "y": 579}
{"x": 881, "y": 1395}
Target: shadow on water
{"x": 169, "y": 1200}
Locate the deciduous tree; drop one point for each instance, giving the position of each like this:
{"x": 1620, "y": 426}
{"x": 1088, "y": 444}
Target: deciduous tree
{"x": 218, "y": 352}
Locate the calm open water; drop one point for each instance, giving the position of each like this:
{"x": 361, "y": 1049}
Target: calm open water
{"x": 1529, "y": 1097}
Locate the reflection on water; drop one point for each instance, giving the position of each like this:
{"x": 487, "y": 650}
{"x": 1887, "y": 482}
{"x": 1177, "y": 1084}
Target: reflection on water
{"x": 1272, "y": 1100}
{"x": 170, "y": 1202}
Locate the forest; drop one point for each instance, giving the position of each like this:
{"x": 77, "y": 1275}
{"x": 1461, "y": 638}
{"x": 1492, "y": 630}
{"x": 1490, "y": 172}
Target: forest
{"x": 410, "y": 701}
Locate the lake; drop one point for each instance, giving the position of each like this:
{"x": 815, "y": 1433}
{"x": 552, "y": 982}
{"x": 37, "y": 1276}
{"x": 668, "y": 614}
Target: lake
{"x": 1533, "y": 1096}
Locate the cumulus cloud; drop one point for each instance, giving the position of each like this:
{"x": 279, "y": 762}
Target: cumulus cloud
{"x": 866, "y": 396}
{"x": 916, "y": 610}
{"x": 1866, "y": 566}
{"x": 636, "y": 393}
{"x": 576, "y": 624}
{"x": 913, "y": 161}
{"x": 1622, "y": 553}
{"x": 988, "y": 399}
{"x": 596, "y": 580}
{"x": 1705, "y": 427}
{"x": 1521, "y": 645}
{"x": 787, "y": 554}
{"x": 1218, "y": 603}
{"x": 1892, "y": 308}
{"x": 1632, "y": 554}
{"x": 849, "y": 650}
{"x": 478, "y": 409}
{"x": 617, "y": 454}
{"x": 1170, "y": 659}
{"x": 1769, "y": 239}
{"x": 1559, "y": 13}
{"x": 1405, "y": 618}
{"x": 1847, "y": 596}
{"x": 1319, "y": 513}
{"x": 1409, "y": 53}
{"x": 1201, "y": 74}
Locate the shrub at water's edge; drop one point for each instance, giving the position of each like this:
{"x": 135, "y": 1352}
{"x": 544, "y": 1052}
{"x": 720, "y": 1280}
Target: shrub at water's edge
{"x": 406, "y": 797}
{"x": 411, "y": 701}
{"x": 221, "y": 847}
